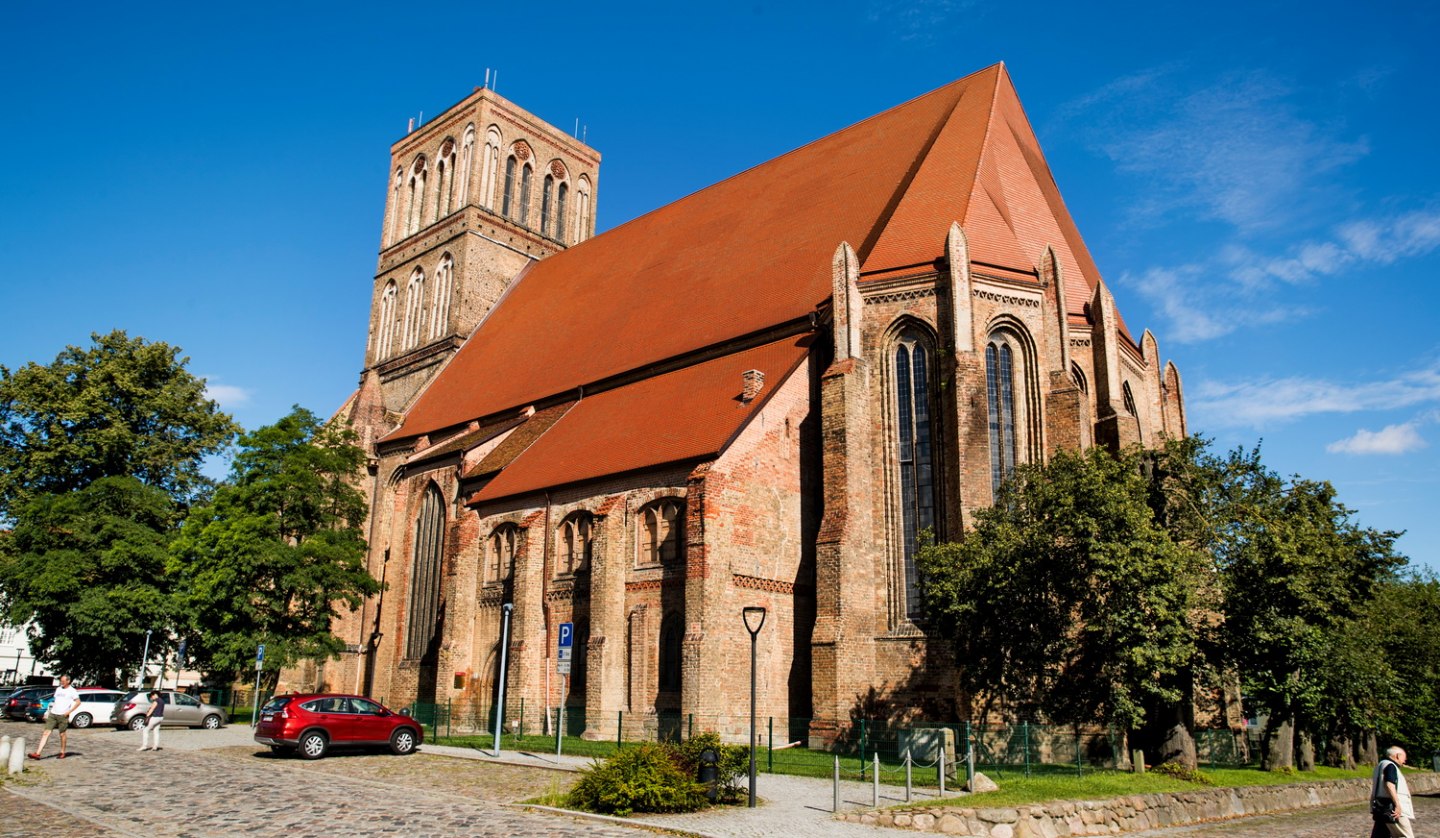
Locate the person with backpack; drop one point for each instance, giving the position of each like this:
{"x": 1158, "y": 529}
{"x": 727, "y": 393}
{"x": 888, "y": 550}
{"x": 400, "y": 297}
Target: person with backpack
{"x": 1390, "y": 804}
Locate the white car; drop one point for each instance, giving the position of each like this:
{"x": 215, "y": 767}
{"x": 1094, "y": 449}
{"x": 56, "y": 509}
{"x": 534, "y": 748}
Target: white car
{"x": 95, "y": 703}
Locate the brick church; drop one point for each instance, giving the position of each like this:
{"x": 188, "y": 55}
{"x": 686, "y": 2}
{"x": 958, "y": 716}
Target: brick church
{"x": 759, "y": 395}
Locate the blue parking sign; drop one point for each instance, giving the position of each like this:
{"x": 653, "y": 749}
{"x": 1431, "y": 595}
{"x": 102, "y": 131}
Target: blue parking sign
{"x": 567, "y": 635}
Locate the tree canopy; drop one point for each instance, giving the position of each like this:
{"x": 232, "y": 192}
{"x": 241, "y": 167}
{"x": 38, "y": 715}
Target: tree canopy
{"x": 122, "y": 407}
{"x": 268, "y": 559}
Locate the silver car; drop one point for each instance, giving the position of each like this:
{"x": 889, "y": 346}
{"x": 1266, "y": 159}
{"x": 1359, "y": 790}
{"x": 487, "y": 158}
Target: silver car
{"x": 181, "y": 710}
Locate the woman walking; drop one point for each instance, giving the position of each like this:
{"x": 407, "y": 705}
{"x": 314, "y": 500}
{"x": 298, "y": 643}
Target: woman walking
{"x": 154, "y": 717}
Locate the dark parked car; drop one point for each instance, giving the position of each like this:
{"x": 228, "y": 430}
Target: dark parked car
{"x": 17, "y": 705}
{"x": 311, "y": 724}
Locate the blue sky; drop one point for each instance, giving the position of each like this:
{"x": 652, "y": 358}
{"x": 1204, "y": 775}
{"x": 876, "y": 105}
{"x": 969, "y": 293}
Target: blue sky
{"x": 1256, "y": 181}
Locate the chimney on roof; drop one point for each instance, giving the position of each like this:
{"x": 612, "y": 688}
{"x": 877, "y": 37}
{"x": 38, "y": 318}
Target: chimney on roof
{"x": 753, "y": 382}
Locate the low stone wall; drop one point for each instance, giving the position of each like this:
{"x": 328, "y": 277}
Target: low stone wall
{"x": 1133, "y": 813}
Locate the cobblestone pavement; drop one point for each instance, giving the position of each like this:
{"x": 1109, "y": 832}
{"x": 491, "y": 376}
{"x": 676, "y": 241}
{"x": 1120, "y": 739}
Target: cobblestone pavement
{"x": 1335, "y": 822}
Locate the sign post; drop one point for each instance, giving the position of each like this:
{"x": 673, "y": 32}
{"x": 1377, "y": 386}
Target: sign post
{"x": 562, "y": 666}
{"x": 259, "y": 665}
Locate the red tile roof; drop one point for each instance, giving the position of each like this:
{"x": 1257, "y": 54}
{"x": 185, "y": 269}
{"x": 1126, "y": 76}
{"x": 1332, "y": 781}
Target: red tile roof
{"x": 754, "y": 251}
{"x": 686, "y": 415}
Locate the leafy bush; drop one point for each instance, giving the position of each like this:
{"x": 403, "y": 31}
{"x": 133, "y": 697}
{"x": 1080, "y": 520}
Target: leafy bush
{"x": 732, "y": 765}
{"x": 1180, "y": 772}
{"x": 645, "y": 778}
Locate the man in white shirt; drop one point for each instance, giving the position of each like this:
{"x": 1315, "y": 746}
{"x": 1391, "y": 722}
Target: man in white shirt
{"x": 62, "y": 706}
{"x": 1389, "y": 783}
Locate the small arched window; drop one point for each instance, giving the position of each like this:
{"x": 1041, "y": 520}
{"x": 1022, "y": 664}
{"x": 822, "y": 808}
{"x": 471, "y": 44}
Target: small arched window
{"x": 582, "y": 215}
{"x": 467, "y": 163}
{"x": 425, "y": 581}
{"x": 576, "y": 542}
{"x": 414, "y": 310}
{"x": 385, "y": 323}
{"x": 501, "y": 553}
{"x": 526, "y": 175}
{"x": 545, "y": 198}
{"x": 445, "y": 180}
{"x": 397, "y": 212}
{"x": 560, "y": 195}
{"x": 507, "y": 203}
{"x": 419, "y": 173}
{"x": 440, "y": 307}
{"x": 662, "y": 527}
{"x": 915, "y": 447}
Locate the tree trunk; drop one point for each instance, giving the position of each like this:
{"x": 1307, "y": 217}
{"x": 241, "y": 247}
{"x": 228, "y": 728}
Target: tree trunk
{"x": 1279, "y": 745}
{"x": 1177, "y": 745}
{"x": 1306, "y": 750}
{"x": 1340, "y": 753}
{"x": 1369, "y": 750}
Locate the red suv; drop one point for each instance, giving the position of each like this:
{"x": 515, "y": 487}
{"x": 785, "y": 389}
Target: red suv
{"x": 311, "y": 724}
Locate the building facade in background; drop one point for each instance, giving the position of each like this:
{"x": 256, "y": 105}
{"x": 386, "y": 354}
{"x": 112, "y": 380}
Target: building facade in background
{"x": 761, "y": 394}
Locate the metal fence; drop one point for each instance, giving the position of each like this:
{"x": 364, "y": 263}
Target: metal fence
{"x": 791, "y": 746}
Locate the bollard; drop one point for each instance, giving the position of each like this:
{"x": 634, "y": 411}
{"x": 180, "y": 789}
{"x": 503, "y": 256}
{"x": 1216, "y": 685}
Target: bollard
{"x": 907, "y": 775}
{"x": 4, "y": 750}
{"x": 875, "y": 783}
{"x": 1137, "y": 761}
{"x": 17, "y": 755}
{"x": 940, "y": 767}
{"x": 836, "y": 807}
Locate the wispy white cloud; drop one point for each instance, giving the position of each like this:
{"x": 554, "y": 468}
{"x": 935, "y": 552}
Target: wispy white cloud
{"x": 228, "y": 395}
{"x": 1392, "y": 439}
{"x": 1236, "y": 288}
{"x": 1268, "y": 401}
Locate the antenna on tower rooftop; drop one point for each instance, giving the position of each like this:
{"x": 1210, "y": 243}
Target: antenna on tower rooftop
{"x": 487, "y": 76}
{"x": 576, "y": 134}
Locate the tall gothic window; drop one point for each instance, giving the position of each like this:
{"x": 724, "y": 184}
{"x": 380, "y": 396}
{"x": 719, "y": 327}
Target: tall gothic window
{"x": 582, "y": 217}
{"x": 915, "y": 438}
{"x": 490, "y": 168}
{"x": 1000, "y": 405}
{"x": 501, "y": 552}
{"x": 414, "y": 309}
{"x": 545, "y": 197}
{"x": 385, "y": 323}
{"x": 1128, "y": 396}
{"x": 396, "y": 212}
{"x": 526, "y": 174}
{"x": 661, "y": 527}
{"x": 508, "y": 201}
{"x": 419, "y": 173}
{"x": 672, "y": 636}
{"x": 440, "y": 305}
{"x": 575, "y": 543}
{"x": 560, "y": 194}
{"x": 467, "y": 163}
{"x": 445, "y": 180}
{"x": 425, "y": 576}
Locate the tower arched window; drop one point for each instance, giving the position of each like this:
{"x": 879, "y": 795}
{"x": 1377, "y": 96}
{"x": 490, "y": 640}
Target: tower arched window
{"x": 445, "y": 180}
{"x": 397, "y": 212}
{"x": 467, "y": 163}
{"x": 662, "y": 525}
{"x": 546, "y": 196}
{"x": 913, "y": 375}
{"x": 419, "y": 174}
{"x": 1129, "y": 398}
{"x": 1011, "y": 403}
{"x": 507, "y": 203}
{"x": 490, "y": 168}
{"x": 576, "y": 541}
{"x": 561, "y": 192}
{"x": 583, "y": 210}
{"x": 440, "y": 305}
{"x": 425, "y": 577}
{"x": 526, "y": 175}
{"x": 385, "y": 323}
{"x": 414, "y": 310}
{"x": 500, "y": 552}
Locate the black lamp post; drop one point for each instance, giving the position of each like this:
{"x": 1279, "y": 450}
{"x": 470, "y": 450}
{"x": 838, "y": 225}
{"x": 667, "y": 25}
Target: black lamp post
{"x": 754, "y": 619}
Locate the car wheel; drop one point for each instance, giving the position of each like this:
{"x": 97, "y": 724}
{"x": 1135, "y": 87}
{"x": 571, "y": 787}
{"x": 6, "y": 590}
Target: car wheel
{"x": 313, "y": 745}
{"x": 402, "y": 741}
{"x": 212, "y": 722}
{"x": 137, "y": 723}
{"x": 81, "y": 720}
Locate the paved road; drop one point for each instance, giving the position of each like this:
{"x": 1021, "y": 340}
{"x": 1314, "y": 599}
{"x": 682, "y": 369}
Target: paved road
{"x": 1338, "y": 822}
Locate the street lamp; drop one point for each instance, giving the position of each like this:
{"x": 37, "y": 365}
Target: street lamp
{"x": 754, "y": 619}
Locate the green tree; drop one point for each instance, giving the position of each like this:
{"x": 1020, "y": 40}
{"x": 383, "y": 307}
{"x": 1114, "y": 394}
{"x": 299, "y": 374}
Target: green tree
{"x": 123, "y": 407}
{"x": 1068, "y": 599}
{"x": 279, "y": 547}
{"x": 88, "y": 569}
{"x": 1293, "y": 567}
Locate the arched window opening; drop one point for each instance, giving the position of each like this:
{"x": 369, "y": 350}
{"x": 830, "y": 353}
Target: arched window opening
{"x": 440, "y": 307}
{"x": 1000, "y": 404}
{"x": 661, "y": 528}
{"x": 396, "y": 211}
{"x": 1079, "y": 376}
{"x": 545, "y": 197}
{"x": 467, "y": 162}
{"x": 419, "y": 173}
{"x": 1129, "y": 398}
{"x": 576, "y": 543}
{"x": 582, "y": 216}
{"x": 490, "y": 168}
{"x": 445, "y": 180}
{"x": 385, "y": 323}
{"x": 501, "y": 550}
{"x": 526, "y": 174}
{"x": 672, "y": 636}
{"x": 915, "y": 445}
{"x": 425, "y": 578}
{"x": 560, "y": 194}
{"x": 508, "y": 201}
{"x": 414, "y": 310}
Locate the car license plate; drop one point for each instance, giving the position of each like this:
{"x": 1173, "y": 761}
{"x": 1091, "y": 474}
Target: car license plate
{"x": 265, "y": 717}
